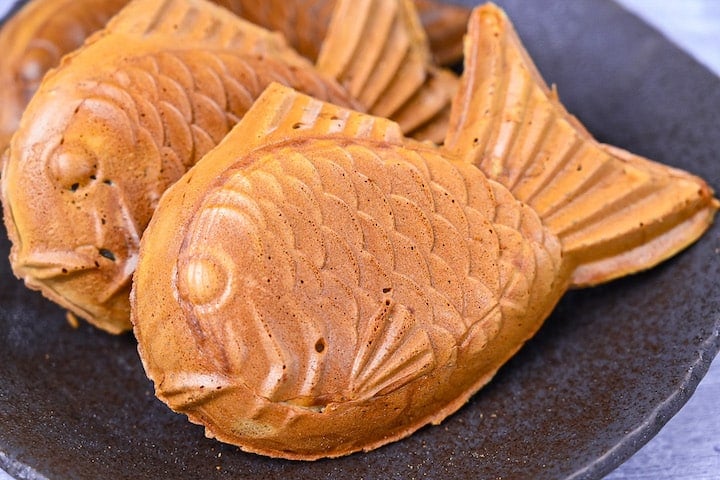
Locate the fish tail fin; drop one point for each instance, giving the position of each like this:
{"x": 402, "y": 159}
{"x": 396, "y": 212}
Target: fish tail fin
{"x": 385, "y": 62}
{"x": 614, "y": 212}
{"x": 201, "y": 22}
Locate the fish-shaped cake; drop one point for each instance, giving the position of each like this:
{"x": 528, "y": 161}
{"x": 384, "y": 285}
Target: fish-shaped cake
{"x": 318, "y": 284}
{"x": 305, "y": 22}
{"x": 507, "y": 122}
{"x": 34, "y": 40}
{"x": 126, "y": 115}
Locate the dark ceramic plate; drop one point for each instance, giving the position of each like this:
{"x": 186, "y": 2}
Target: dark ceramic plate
{"x": 608, "y": 369}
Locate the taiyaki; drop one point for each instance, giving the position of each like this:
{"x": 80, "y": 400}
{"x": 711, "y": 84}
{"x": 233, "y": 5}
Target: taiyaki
{"x": 520, "y": 135}
{"x": 126, "y": 115}
{"x": 318, "y": 284}
{"x": 34, "y": 40}
{"x": 304, "y": 23}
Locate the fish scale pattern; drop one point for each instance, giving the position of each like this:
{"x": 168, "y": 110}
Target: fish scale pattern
{"x": 177, "y": 106}
{"x": 125, "y": 117}
{"x": 56, "y": 30}
{"x": 419, "y": 258}
{"x": 158, "y": 112}
{"x": 187, "y": 101}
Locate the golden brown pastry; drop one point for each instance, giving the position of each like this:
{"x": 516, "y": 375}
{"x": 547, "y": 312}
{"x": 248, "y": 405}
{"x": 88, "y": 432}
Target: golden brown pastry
{"x": 35, "y": 39}
{"x": 123, "y": 117}
{"x": 385, "y": 62}
{"x": 304, "y": 22}
{"x": 445, "y": 26}
{"x": 318, "y": 284}
{"x": 114, "y": 126}
{"x": 520, "y": 135}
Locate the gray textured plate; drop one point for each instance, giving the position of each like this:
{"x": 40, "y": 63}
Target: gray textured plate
{"x": 607, "y": 370}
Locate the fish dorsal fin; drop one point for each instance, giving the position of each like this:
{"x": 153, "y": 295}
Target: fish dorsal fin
{"x": 614, "y": 212}
{"x": 384, "y": 61}
{"x": 197, "y": 23}
{"x": 281, "y": 114}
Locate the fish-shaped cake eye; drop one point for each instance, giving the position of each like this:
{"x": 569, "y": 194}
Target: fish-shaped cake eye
{"x": 413, "y": 277}
{"x": 204, "y": 280}
{"x": 314, "y": 282}
{"x": 144, "y": 100}
{"x": 71, "y": 170}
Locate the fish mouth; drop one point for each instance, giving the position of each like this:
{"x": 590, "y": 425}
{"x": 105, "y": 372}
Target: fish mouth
{"x": 84, "y": 269}
{"x": 86, "y": 283}
{"x": 54, "y": 264}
